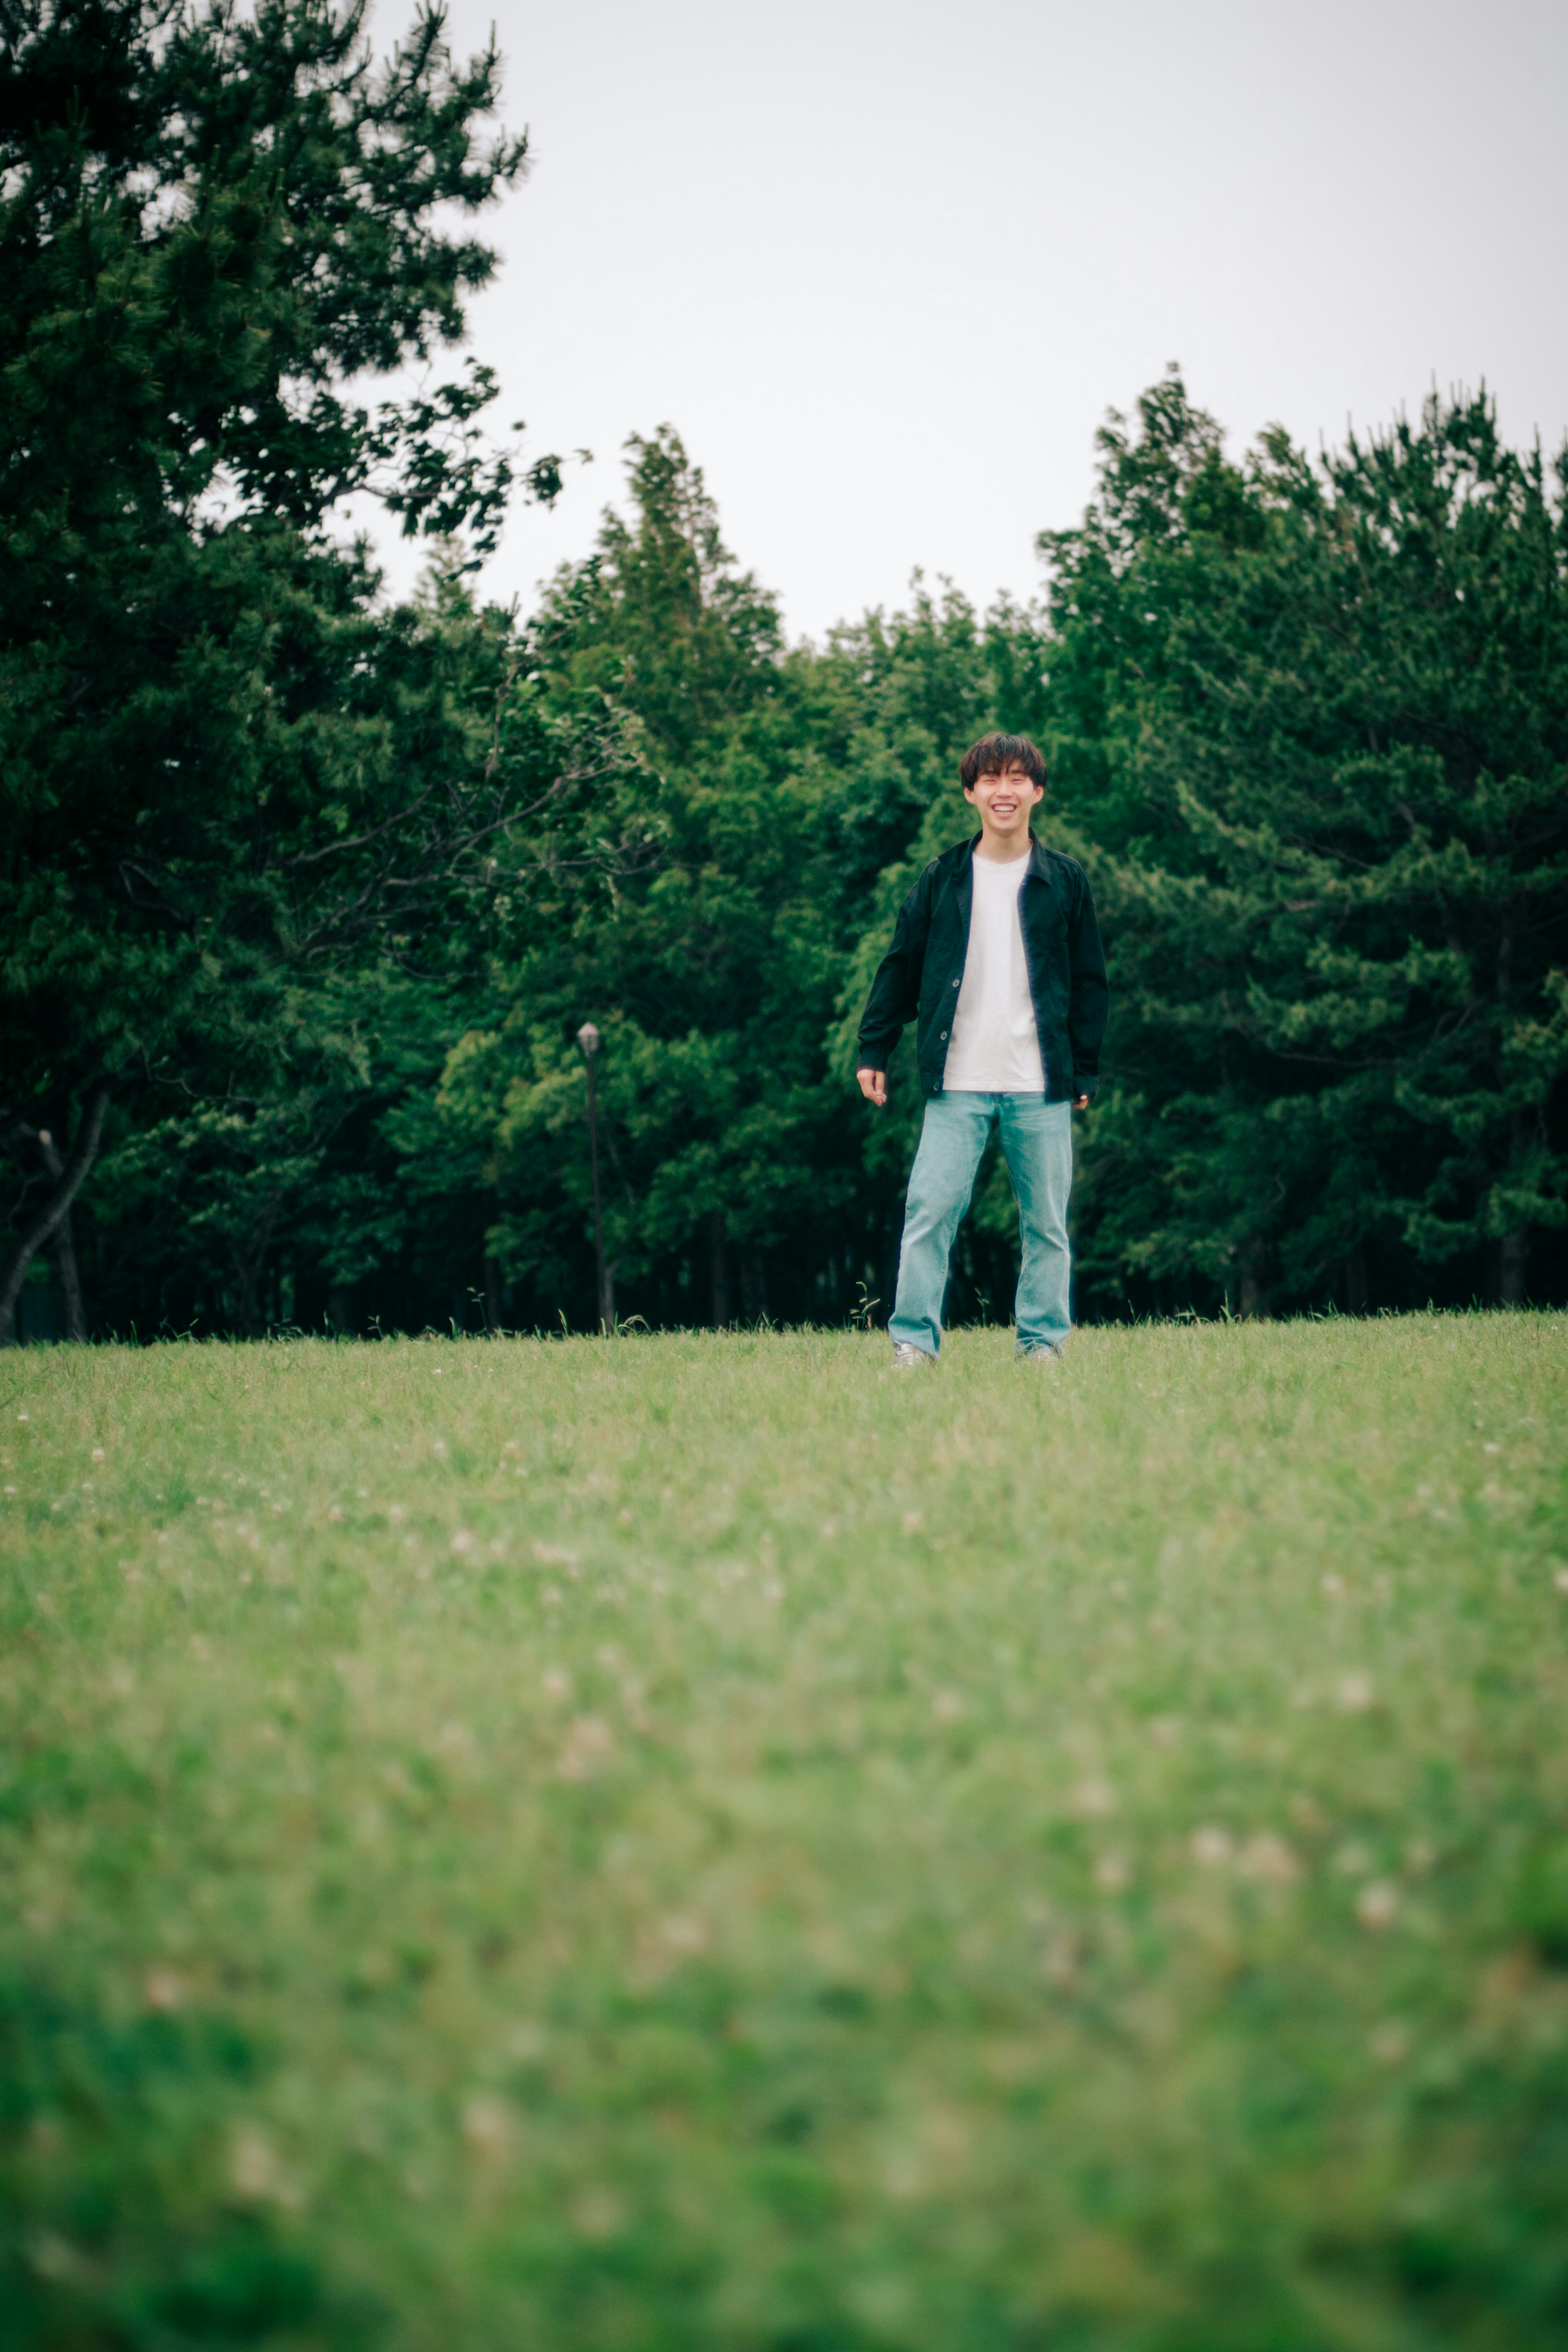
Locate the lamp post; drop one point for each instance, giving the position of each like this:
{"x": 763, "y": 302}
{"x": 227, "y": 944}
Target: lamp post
{"x": 587, "y": 1038}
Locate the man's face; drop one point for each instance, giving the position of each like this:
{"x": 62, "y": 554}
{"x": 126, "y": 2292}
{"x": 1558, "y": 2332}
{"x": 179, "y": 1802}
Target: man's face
{"x": 1006, "y": 804}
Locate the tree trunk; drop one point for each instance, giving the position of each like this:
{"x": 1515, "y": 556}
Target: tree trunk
{"x": 1356, "y": 1289}
{"x": 248, "y": 1258}
{"x": 252, "y": 1325}
{"x": 718, "y": 1268}
{"x": 492, "y": 1295}
{"x": 1511, "y": 1255}
{"x": 47, "y": 1221}
{"x": 607, "y": 1299}
{"x": 65, "y": 1246}
{"x": 71, "y": 1280}
{"x": 753, "y": 1284}
{"x": 1254, "y": 1296}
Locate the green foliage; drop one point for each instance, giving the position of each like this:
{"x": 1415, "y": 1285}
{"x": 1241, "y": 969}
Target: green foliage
{"x": 742, "y": 1173}
{"x": 714, "y": 972}
{"x": 699, "y": 1841}
{"x": 324, "y": 889}
{"x": 218, "y": 765}
{"x": 1311, "y": 722}
{"x": 659, "y": 618}
{"x": 1306, "y": 729}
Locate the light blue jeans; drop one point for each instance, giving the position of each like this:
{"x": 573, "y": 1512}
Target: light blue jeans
{"x": 1036, "y": 1143}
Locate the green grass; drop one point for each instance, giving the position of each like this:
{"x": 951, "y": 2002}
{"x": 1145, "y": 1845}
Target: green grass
{"x": 703, "y": 1844}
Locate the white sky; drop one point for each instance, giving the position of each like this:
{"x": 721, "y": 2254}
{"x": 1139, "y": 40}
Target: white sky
{"x": 884, "y": 267}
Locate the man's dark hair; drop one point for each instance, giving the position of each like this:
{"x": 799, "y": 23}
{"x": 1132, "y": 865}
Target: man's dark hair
{"x": 993, "y": 755}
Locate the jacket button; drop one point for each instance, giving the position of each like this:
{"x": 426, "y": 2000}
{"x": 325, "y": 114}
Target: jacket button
{"x": 955, "y": 983}
{"x": 944, "y": 1035}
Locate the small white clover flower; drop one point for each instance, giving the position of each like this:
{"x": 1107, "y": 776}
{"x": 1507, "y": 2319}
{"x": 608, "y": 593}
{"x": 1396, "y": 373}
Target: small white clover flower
{"x": 1268, "y": 1857}
{"x": 684, "y": 1933}
{"x": 488, "y": 2127}
{"x": 1094, "y": 1797}
{"x": 1377, "y": 1905}
{"x": 589, "y": 1744}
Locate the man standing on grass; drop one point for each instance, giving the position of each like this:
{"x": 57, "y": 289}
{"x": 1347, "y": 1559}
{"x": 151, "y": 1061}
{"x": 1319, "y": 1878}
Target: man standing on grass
{"x": 996, "y": 953}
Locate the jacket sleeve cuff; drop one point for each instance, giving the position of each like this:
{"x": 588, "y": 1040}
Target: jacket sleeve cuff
{"x": 1086, "y": 1081}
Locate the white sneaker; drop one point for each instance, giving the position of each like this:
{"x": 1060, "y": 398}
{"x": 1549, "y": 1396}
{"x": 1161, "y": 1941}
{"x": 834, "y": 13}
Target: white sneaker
{"x": 906, "y": 1356}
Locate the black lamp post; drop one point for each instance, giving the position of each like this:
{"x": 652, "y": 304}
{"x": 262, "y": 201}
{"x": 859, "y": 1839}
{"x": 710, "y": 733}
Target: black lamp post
{"x": 587, "y": 1038}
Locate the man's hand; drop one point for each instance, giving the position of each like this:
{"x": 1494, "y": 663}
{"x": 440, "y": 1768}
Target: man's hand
{"x": 1079, "y": 1102}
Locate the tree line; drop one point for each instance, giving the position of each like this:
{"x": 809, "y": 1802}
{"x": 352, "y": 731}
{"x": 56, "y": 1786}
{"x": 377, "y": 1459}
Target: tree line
{"x": 307, "y": 892}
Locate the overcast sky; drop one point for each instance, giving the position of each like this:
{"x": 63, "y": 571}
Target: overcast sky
{"x": 884, "y": 267}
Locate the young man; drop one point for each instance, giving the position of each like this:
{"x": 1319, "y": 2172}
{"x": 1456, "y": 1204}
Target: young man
{"x": 998, "y": 954}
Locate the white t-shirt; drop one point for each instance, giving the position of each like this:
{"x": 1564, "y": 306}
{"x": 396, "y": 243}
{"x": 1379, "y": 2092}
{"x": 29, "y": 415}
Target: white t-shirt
{"x": 995, "y": 1046}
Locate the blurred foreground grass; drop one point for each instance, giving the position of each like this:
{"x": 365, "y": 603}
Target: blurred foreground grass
{"x": 703, "y": 1844}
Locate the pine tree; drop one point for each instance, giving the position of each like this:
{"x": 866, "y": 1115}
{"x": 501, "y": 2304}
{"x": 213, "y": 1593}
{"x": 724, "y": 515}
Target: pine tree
{"x": 1314, "y": 721}
{"x": 215, "y": 220}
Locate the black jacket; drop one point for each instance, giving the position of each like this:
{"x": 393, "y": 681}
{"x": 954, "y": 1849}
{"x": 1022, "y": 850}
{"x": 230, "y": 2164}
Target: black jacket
{"x": 920, "y": 973}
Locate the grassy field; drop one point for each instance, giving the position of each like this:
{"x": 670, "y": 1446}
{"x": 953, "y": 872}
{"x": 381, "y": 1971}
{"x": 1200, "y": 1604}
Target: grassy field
{"x": 703, "y": 1844}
